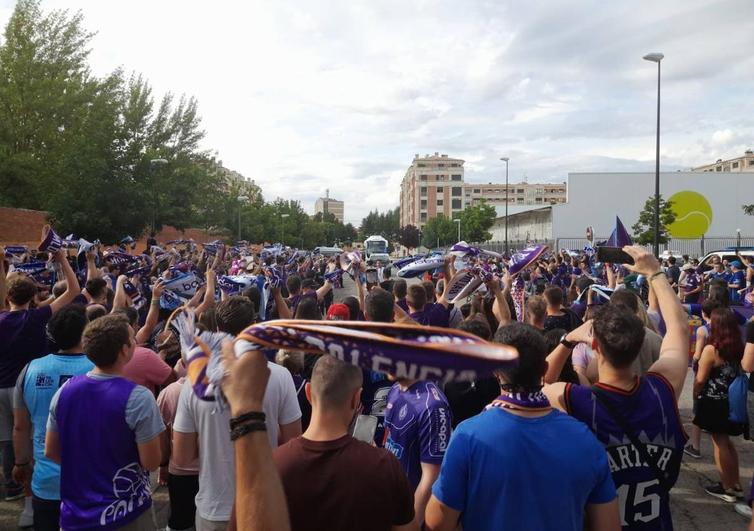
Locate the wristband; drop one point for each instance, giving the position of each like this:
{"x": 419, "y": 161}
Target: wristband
{"x": 657, "y": 274}
{"x": 244, "y": 429}
{"x": 567, "y": 344}
{"x": 244, "y": 417}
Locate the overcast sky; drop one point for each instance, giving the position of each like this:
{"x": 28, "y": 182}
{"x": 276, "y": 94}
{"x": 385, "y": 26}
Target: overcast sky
{"x": 313, "y": 94}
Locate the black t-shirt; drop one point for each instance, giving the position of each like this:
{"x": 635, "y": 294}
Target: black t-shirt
{"x": 568, "y": 321}
{"x": 750, "y": 332}
{"x": 467, "y": 399}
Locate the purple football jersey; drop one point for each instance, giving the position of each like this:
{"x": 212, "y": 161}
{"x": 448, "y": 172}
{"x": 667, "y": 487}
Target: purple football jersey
{"x": 417, "y": 426}
{"x": 650, "y": 409}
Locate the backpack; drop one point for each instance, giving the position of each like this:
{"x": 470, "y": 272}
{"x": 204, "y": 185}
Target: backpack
{"x": 737, "y": 391}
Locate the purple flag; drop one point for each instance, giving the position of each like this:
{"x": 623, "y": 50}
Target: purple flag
{"x": 520, "y": 261}
{"x": 619, "y": 236}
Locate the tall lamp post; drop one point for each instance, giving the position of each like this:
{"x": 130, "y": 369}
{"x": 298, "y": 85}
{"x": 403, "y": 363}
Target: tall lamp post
{"x": 506, "y": 159}
{"x": 152, "y": 164}
{"x": 282, "y": 228}
{"x": 241, "y": 199}
{"x": 459, "y": 228}
{"x": 656, "y": 58}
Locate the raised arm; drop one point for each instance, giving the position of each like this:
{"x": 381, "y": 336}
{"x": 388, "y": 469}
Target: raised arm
{"x": 673, "y": 362}
{"x": 284, "y": 312}
{"x": 153, "y": 316}
{"x": 443, "y": 299}
{"x": 557, "y": 359}
{"x": 260, "y": 499}
{"x": 209, "y": 293}
{"x": 72, "y": 288}
{"x": 91, "y": 264}
{"x": 500, "y": 308}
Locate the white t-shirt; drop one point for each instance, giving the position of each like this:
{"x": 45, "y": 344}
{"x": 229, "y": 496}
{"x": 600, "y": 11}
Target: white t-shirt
{"x": 214, "y": 501}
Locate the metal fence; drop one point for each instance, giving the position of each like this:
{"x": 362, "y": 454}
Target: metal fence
{"x": 694, "y": 248}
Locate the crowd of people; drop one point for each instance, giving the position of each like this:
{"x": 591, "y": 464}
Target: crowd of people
{"x": 99, "y": 400}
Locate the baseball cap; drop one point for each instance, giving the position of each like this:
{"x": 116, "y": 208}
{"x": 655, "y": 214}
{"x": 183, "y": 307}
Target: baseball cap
{"x": 338, "y": 312}
{"x": 736, "y": 264}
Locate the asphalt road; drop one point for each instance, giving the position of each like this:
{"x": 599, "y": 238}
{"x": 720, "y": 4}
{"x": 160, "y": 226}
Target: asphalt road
{"x": 692, "y": 508}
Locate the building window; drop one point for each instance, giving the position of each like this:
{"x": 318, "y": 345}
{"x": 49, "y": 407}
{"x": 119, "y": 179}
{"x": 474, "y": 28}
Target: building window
{"x": 423, "y": 190}
{"x": 439, "y": 189}
{"x": 735, "y": 165}
{"x": 440, "y": 177}
{"x": 477, "y": 190}
{"x": 423, "y": 177}
{"x": 439, "y": 202}
{"x": 423, "y": 216}
{"x": 457, "y": 204}
{"x": 457, "y": 191}
{"x": 441, "y": 165}
{"x": 751, "y": 163}
{"x": 421, "y": 165}
{"x": 520, "y": 191}
{"x": 538, "y": 199}
{"x": 456, "y": 178}
{"x": 719, "y": 168}
{"x": 423, "y": 204}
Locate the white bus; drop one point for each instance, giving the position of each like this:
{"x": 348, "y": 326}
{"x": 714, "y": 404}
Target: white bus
{"x": 375, "y": 248}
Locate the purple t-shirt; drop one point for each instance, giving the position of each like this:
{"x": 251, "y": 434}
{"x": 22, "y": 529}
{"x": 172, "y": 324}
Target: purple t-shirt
{"x": 417, "y": 426}
{"x": 22, "y": 339}
{"x": 649, "y": 409}
{"x": 433, "y": 314}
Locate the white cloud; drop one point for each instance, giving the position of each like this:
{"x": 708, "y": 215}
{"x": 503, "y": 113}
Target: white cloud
{"x": 304, "y": 96}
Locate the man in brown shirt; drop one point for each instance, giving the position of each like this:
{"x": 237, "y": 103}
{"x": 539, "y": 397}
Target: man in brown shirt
{"x": 333, "y": 481}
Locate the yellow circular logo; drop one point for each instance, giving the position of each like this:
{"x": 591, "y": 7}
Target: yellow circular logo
{"x": 693, "y": 215}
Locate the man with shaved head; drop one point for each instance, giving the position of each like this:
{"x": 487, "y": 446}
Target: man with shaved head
{"x": 348, "y": 484}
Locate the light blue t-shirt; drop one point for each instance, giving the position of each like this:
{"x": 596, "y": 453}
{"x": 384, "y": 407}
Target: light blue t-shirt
{"x": 502, "y": 471}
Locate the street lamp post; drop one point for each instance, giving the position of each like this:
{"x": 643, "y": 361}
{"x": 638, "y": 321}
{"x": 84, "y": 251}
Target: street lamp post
{"x": 738, "y": 237}
{"x": 152, "y": 163}
{"x": 241, "y": 199}
{"x": 282, "y": 227}
{"x": 459, "y": 228}
{"x": 656, "y": 58}
{"x": 506, "y": 159}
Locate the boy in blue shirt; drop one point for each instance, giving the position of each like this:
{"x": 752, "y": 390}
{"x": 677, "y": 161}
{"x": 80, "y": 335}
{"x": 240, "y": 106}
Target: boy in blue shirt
{"x": 521, "y": 464}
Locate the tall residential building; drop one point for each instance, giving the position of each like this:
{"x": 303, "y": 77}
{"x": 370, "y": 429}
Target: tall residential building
{"x": 745, "y": 163}
{"x": 332, "y": 206}
{"x": 433, "y": 185}
{"x": 243, "y": 185}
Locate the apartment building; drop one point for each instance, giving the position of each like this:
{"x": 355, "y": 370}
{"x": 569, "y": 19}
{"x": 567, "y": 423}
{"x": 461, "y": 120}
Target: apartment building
{"x": 745, "y": 163}
{"x": 433, "y": 185}
{"x": 329, "y": 205}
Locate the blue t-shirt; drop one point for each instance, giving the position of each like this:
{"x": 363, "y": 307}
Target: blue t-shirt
{"x": 433, "y": 314}
{"x": 418, "y": 423}
{"x": 739, "y": 280}
{"x": 505, "y": 471}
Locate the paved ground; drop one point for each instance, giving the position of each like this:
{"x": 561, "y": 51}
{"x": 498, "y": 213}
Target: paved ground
{"x": 692, "y": 508}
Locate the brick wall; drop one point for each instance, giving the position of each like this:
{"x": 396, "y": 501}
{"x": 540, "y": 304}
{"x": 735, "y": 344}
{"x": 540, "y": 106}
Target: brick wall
{"x": 19, "y": 226}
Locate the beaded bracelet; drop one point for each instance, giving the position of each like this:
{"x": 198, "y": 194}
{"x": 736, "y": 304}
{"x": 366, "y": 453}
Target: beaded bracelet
{"x": 251, "y": 415}
{"x": 243, "y": 429}
{"x": 655, "y": 275}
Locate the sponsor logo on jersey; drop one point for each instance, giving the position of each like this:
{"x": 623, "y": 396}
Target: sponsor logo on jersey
{"x": 403, "y": 412}
{"x": 43, "y": 381}
{"x": 394, "y": 448}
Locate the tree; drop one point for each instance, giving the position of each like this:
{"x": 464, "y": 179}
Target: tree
{"x": 475, "y": 221}
{"x": 749, "y": 209}
{"x": 386, "y": 225}
{"x": 644, "y": 227}
{"x": 438, "y": 231}
{"x": 409, "y": 236}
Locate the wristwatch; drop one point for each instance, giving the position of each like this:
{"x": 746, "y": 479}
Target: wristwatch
{"x": 567, "y": 344}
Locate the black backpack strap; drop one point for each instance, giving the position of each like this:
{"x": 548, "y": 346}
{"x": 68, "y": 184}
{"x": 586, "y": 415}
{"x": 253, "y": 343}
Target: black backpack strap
{"x": 641, "y": 447}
